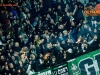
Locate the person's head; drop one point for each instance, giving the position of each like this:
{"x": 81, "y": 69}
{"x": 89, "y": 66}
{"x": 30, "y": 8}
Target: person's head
{"x": 79, "y": 39}
{"x": 25, "y": 48}
{"x": 59, "y": 1}
{"x": 10, "y": 50}
{"x": 13, "y": 58}
{"x": 36, "y": 36}
{"x": 20, "y": 9}
{"x": 1, "y": 33}
{"x": 78, "y": 0}
{"x": 36, "y": 19}
{"x": 28, "y": 15}
{"x": 70, "y": 50}
{"x": 52, "y": 21}
{"x": 84, "y": 22}
{"x": 32, "y": 57}
{"x": 49, "y": 9}
{"x": 8, "y": 36}
{"x": 66, "y": 10}
{"x": 17, "y": 21}
{"x": 41, "y": 55}
{"x": 6, "y": 12}
{"x": 1, "y": 1}
{"x": 65, "y": 32}
{"x": 60, "y": 34}
{"x": 11, "y": 65}
{"x": 47, "y": 36}
{"x": 32, "y": 46}
{"x": 72, "y": 23}
{"x": 2, "y": 57}
{"x": 85, "y": 45}
{"x": 63, "y": 42}
{"x": 40, "y": 1}
{"x": 95, "y": 30}
{"x": 28, "y": 22}
{"x": 27, "y": 2}
{"x": 64, "y": 51}
{"x": 10, "y": 14}
{"x": 70, "y": 13}
{"x": 48, "y": 45}
{"x": 2, "y": 11}
{"x": 85, "y": 26}
{"x": 53, "y": 58}
{"x": 16, "y": 44}
{"x": 84, "y": 41}
{"x": 22, "y": 56}
{"x": 59, "y": 7}
{"x": 76, "y": 6}
{"x": 12, "y": 42}
{"x": 95, "y": 37}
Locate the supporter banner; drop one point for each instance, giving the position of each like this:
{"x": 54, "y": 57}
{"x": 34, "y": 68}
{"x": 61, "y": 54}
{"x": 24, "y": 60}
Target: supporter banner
{"x": 61, "y": 70}
{"x": 88, "y": 64}
{"x": 44, "y": 72}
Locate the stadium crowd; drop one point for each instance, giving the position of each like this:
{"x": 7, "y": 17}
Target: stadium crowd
{"x": 38, "y": 34}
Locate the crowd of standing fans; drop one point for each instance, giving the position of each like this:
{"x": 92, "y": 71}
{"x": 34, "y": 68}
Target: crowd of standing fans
{"x": 38, "y": 34}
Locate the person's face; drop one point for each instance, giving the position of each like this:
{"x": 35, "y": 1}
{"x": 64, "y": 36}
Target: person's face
{"x": 9, "y": 46}
{"x": 95, "y": 30}
{"x": 40, "y": 1}
{"x": 28, "y": 15}
{"x": 41, "y": 55}
{"x": 36, "y": 18}
{"x": 2, "y": 57}
{"x": 17, "y": 21}
{"x": 60, "y": 35}
{"x": 27, "y": 1}
{"x": 64, "y": 52}
{"x": 63, "y": 42}
{"x": 65, "y": 33}
{"x": 66, "y": 9}
{"x": 2, "y": 12}
{"x": 0, "y": 32}
{"x": 70, "y": 13}
{"x": 1, "y": 1}
{"x": 32, "y": 56}
{"x": 78, "y": 0}
{"x": 48, "y": 45}
{"x": 59, "y": 0}
{"x": 48, "y": 15}
{"x": 84, "y": 21}
{"x": 6, "y": 67}
{"x": 72, "y": 24}
{"x": 47, "y": 37}
{"x": 6, "y": 12}
{"x": 53, "y": 59}
{"x": 28, "y": 22}
{"x": 10, "y": 13}
{"x": 52, "y": 21}
{"x": 76, "y": 6}
{"x": 59, "y": 7}
{"x": 11, "y": 65}
{"x": 95, "y": 37}
{"x": 49, "y": 9}
{"x": 13, "y": 58}
{"x": 85, "y": 26}
{"x": 22, "y": 56}
{"x": 16, "y": 44}
{"x": 11, "y": 50}
{"x": 8, "y": 36}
